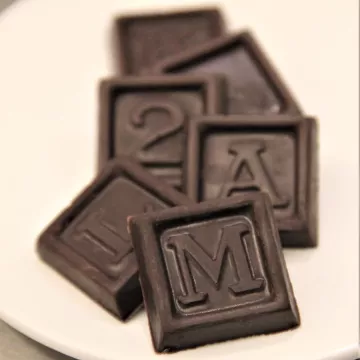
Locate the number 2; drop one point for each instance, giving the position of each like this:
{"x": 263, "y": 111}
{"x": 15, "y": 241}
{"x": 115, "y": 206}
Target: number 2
{"x": 138, "y": 120}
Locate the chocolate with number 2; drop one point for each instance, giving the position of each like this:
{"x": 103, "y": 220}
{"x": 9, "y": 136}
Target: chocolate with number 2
{"x": 212, "y": 272}
{"x": 146, "y": 118}
{"x": 88, "y": 242}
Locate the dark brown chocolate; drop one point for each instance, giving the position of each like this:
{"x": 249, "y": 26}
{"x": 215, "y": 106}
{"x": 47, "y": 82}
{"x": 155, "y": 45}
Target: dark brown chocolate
{"x": 213, "y": 271}
{"x": 254, "y": 85}
{"x": 146, "y": 117}
{"x": 142, "y": 40}
{"x": 88, "y": 242}
{"x": 231, "y": 155}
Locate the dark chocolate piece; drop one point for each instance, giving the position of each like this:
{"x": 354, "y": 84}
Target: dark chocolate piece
{"x": 88, "y": 242}
{"x": 146, "y": 117}
{"x": 274, "y": 153}
{"x": 254, "y": 85}
{"x": 142, "y": 40}
{"x": 213, "y": 271}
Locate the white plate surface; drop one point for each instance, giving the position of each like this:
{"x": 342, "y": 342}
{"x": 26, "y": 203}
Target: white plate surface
{"x": 52, "y": 55}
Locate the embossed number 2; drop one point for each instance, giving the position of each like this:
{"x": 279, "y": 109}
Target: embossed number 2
{"x": 138, "y": 119}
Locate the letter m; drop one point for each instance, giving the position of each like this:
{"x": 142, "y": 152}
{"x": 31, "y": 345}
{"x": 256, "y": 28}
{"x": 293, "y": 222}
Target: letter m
{"x": 232, "y": 247}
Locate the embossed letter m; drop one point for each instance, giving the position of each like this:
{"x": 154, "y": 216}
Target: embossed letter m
{"x": 232, "y": 247}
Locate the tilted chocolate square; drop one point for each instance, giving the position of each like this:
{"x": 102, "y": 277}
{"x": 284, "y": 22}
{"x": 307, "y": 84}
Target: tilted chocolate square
{"x": 142, "y": 40}
{"x": 274, "y": 153}
{"x": 146, "y": 117}
{"x": 255, "y": 87}
{"x": 213, "y": 271}
{"x": 88, "y": 242}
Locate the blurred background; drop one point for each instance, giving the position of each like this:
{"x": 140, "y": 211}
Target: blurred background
{"x": 13, "y": 345}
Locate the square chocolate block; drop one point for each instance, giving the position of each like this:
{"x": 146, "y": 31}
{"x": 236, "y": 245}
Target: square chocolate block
{"x": 88, "y": 242}
{"x": 142, "y": 40}
{"x": 255, "y": 87}
{"x": 213, "y": 271}
{"x": 146, "y": 118}
{"x": 231, "y": 155}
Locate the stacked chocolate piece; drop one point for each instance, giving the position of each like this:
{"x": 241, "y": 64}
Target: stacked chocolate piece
{"x": 206, "y": 167}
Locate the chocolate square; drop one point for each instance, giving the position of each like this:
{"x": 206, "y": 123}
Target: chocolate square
{"x": 142, "y": 40}
{"x": 213, "y": 271}
{"x": 231, "y": 155}
{"x": 255, "y": 87}
{"x": 146, "y": 118}
{"x": 88, "y": 242}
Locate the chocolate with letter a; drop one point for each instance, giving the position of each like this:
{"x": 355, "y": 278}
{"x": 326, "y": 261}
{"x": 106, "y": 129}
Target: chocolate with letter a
{"x": 232, "y": 155}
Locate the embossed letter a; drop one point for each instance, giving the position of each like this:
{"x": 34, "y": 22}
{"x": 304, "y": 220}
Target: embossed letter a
{"x": 232, "y": 246}
{"x": 248, "y": 153}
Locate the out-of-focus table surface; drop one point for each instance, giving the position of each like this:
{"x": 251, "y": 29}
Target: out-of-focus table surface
{"x": 13, "y": 345}
{"x": 5, "y": 3}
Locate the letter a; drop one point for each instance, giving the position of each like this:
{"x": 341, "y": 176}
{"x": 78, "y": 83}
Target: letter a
{"x": 248, "y": 153}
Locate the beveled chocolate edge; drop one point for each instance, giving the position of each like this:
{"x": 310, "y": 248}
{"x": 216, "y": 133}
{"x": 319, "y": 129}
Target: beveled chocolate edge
{"x": 306, "y": 194}
{"x": 51, "y": 249}
{"x": 121, "y": 22}
{"x": 313, "y": 187}
{"x": 142, "y": 230}
{"x": 307, "y": 191}
{"x": 287, "y": 282}
{"x": 214, "y": 93}
{"x": 57, "y": 255}
{"x": 267, "y": 69}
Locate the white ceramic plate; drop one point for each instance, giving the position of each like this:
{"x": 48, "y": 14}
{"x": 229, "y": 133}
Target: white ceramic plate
{"x": 52, "y": 55}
